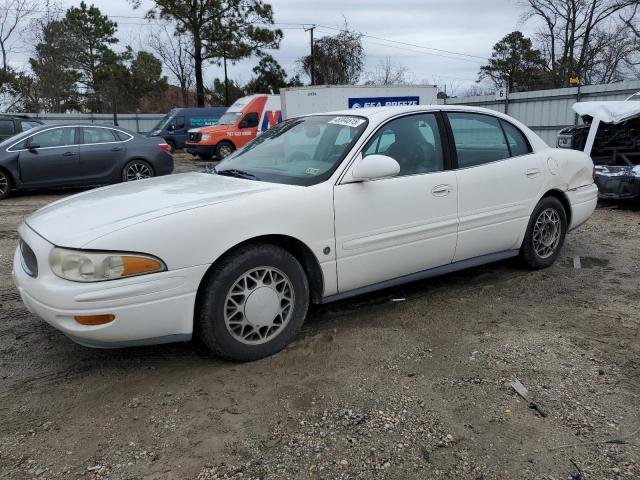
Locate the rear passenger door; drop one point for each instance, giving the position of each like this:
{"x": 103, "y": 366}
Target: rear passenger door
{"x": 499, "y": 179}
{"x": 102, "y": 154}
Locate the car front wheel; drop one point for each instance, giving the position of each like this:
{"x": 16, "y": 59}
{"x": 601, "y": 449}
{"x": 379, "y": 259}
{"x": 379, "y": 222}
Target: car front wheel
{"x": 545, "y": 234}
{"x": 224, "y": 149}
{"x": 252, "y": 303}
{"x": 136, "y": 170}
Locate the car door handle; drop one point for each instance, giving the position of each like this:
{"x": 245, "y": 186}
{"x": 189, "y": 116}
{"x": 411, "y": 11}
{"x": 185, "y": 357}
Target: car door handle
{"x": 68, "y": 154}
{"x": 532, "y": 172}
{"x": 116, "y": 149}
{"x": 441, "y": 190}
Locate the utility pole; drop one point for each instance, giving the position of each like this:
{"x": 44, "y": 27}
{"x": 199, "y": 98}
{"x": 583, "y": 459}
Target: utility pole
{"x": 226, "y": 83}
{"x": 313, "y": 61}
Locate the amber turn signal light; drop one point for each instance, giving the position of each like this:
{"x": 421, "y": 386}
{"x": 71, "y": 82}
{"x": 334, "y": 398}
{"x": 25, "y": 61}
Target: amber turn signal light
{"x": 94, "y": 319}
{"x": 139, "y": 265}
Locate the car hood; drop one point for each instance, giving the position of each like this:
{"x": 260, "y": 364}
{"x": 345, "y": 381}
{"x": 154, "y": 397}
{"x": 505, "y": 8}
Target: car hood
{"x": 77, "y": 220}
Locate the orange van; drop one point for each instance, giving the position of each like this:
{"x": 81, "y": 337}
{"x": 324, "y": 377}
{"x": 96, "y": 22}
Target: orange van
{"x": 241, "y": 123}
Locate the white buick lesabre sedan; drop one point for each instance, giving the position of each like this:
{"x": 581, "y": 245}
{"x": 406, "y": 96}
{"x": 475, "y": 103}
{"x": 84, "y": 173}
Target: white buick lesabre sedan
{"x": 316, "y": 209}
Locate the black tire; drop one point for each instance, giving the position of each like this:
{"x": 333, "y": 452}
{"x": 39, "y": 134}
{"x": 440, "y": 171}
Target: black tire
{"x": 141, "y": 166}
{"x": 224, "y": 149}
{"x": 211, "y": 305}
{"x": 6, "y": 184}
{"x": 540, "y": 248}
{"x": 205, "y": 156}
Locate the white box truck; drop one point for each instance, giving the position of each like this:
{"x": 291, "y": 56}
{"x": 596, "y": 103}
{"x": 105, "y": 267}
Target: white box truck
{"x": 327, "y": 98}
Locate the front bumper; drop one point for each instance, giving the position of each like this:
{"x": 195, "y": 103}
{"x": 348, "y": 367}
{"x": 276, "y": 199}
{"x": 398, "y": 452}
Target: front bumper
{"x": 583, "y": 201}
{"x": 207, "y": 150}
{"x": 618, "y": 183}
{"x": 149, "y": 309}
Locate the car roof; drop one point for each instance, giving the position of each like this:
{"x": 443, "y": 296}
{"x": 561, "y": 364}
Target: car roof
{"x": 377, "y": 115}
{"x": 76, "y": 125}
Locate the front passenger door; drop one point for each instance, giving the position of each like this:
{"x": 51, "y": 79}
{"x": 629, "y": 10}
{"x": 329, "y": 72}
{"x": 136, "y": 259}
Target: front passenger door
{"x": 50, "y": 157}
{"x": 392, "y": 227}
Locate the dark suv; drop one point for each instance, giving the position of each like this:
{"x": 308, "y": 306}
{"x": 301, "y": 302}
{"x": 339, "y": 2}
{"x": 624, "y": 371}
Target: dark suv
{"x": 10, "y": 125}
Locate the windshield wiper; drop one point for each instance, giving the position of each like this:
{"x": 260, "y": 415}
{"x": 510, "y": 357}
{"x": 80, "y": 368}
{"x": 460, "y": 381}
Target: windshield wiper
{"x": 234, "y": 172}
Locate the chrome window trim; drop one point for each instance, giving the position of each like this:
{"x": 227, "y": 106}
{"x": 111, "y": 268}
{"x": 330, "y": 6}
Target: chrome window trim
{"x": 8, "y": 149}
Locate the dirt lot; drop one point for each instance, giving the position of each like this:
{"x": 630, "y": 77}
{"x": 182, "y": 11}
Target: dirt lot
{"x": 372, "y": 388}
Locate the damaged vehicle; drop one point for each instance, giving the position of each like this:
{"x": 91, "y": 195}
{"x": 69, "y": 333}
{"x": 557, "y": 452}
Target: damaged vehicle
{"x": 611, "y": 135}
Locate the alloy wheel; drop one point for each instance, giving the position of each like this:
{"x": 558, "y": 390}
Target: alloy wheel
{"x": 4, "y": 184}
{"x": 137, "y": 171}
{"x": 547, "y": 233}
{"x": 225, "y": 151}
{"x": 259, "y": 305}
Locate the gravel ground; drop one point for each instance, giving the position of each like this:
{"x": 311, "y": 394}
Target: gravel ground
{"x": 408, "y": 383}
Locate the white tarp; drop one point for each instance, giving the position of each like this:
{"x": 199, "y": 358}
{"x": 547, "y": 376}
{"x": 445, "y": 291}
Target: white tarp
{"x": 609, "y": 112}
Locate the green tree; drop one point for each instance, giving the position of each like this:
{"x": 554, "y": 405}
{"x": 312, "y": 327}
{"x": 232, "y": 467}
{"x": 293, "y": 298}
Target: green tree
{"x": 220, "y": 30}
{"x": 53, "y": 88}
{"x": 88, "y": 40}
{"x": 336, "y": 60}
{"x": 218, "y": 94}
{"x": 270, "y": 77}
{"x": 515, "y": 63}
{"x": 147, "y": 80}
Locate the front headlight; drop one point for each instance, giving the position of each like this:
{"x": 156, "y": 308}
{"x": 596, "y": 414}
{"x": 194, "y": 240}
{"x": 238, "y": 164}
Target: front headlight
{"x": 82, "y": 266}
{"x": 205, "y": 137}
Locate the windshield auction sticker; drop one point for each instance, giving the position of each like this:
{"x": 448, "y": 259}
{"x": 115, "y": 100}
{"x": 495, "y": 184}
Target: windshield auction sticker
{"x": 352, "y": 122}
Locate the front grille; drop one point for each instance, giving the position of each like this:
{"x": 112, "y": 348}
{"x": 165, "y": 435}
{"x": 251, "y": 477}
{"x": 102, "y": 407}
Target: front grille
{"x": 29, "y": 261}
{"x": 195, "y": 136}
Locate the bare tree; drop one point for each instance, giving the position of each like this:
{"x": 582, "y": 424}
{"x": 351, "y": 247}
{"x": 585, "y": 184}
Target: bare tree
{"x": 570, "y": 31}
{"x": 173, "y": 50}
{"x": 13, "y": 16}
{"x": 389, "y": 73}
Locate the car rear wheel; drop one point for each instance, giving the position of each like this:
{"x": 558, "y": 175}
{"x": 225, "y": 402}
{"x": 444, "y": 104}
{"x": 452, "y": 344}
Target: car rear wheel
{"x": 224, "y": 149}
{"x": 252, "y": 303}
{"x": 545, "y": 235}
{"x": 136, "y": 170}
{"x": 5, "y": 184}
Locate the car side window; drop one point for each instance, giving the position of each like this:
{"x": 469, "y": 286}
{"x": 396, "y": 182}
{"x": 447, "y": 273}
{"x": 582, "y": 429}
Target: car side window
{"x": 478, "y": 139}
{"x": 412, "y": 141}
{"x": 27, "y": 125}
{"x": 123, "y": 137}
{"x": 56, "y": 137}
{"x": 517, "y": 142}
{"x": 250, "y": 120}
{"x": 7, "y": 127}
{"x": 178, "y": 123}
{"x": 98, "y": 135}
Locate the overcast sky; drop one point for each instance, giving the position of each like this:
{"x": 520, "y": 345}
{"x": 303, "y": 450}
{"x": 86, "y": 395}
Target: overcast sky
{"x": 467, "y": 26}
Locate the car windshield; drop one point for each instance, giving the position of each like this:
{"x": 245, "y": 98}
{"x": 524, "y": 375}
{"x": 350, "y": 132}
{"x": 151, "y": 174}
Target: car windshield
{"x": 301, "y": 151}
{"x": 229, "y": 118}
{"x": 164, "y": 122}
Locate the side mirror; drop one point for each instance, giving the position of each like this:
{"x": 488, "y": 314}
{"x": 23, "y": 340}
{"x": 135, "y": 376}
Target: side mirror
{"x": 171, "y": 127}
{"x": 373, "y": 167}
{"x": 33, "y": 147}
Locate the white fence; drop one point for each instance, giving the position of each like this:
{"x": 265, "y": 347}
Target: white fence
{"x": 138, "y": 122}
{"x": 546, "y": 112}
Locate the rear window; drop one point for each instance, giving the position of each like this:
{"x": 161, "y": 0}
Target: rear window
{"x": 518, "y": 144}
{"x": 7, "y": 127}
